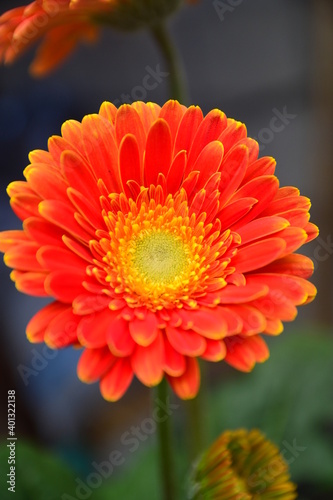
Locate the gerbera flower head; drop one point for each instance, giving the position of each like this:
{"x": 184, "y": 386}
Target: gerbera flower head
{"x": 162, "y": 238}
{"x": 242, "y": 465}
{"x": 61, "y": 24}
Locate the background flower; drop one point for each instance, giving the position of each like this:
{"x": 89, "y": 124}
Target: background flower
{"x": 163, "y": 238}
{"x": 242, "y": 465}
{"x": 61, "y": 24}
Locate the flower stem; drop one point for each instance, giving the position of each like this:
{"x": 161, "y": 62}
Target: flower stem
{"x": 169, "y": 51}
{"x": 196, "y": 435}
{"x": 165, "y": 445}
{"x": 195, "y": 410}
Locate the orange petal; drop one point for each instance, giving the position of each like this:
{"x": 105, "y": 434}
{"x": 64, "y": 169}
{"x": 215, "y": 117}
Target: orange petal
{"x": 273, "y": 326}
{"x": 92, "y": 330}
{"x": 56, "y": 146}
{"x": 10, "y": 238}
{"x": 88, "y": 210}
{"x": 25, "y": 205}
{"x": 259, "y": 228}
{"x": 101, "y": 150}
{"x": 148, "y": 112}
{"x": 276, "y": 305}
{"x": 232, "y": 171}
{"x": 232, "y": 294}
{"x": 286, "y": 201}
{"x": 244, "y": 352}
{"x": 115, "y": 383}
{"x": 296, "y": 217}
{"x": 233, "y": 212}
{"x": 144, "y": 331}
{"x": 174, "y": 362}
{"x": 65, "y": 285}
{"x": 186, "y": 342}
{"x": 197, "y": 202}
{"x": 263, "y": 189}
{"x": 281, "y": 286}
{"x": 234, "y": 322}
{"x": 253, "y": 321}
{"x": 61, "y": 331}
{"x": 119, "y": 339}
{"x": 176, "y": 172}
{"x": 172, "y": 112}
{"x": 56, "y": 258}
{"x": 311, "y": 230}
{"x": 262, "y": 166}
{"x": 309, "y": 288}
{"x": 187, "y": 129}
{"x": 46, "y": 182}
{"x": 209, "y": 130}
{"x": 36, "y": 327}
{"x": 71, "y": 131}
{"x": 147, "y": 362}
{"x": 234, "y": 132}
{"x": 129, "y": 162}
{"x": 187, "y": 385}
{"x": 42, "y": 231}
{"x": 128, "y": 121}
{"x": 208, "y": 162}
{"x": 108, "y": 111}
{"x": 78, "y": 248}
{"x": 209, "y": 323}
{"x": 158, "y": 152}
{"x": 88, "y": 303}
{"x": 23, "y": 257}
{"x": 295, "y": 264}
{"x": 258, "y": 254}
{"x": 62, "y": 215}
{"x": 215, "y": 350}
{"x": 79, "y": 175}
{"x": 31, "y": 283}
{"x": 94, "y": 363}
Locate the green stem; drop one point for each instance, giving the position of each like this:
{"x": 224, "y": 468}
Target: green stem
{"x": 169, "y": 51}
{"x": 165, "y": 444}
{"x": 195, "y": 410}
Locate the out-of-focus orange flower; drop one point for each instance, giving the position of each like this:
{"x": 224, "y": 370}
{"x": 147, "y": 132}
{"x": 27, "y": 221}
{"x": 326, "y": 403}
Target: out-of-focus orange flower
{"x": 242, "y": 465}
{"x": 162, "y": 238}
{"x": 61, "y": 24}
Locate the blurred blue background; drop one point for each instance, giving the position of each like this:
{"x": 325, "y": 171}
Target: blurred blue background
{"x": 256, "y": 59}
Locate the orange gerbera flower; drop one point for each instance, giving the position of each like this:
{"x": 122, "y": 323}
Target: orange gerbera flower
{"x": 63, "y": 23}
{"x": 162, "y": 239}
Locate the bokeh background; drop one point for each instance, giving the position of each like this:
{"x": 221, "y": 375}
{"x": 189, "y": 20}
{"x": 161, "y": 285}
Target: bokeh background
{"x": 253, "y": 61}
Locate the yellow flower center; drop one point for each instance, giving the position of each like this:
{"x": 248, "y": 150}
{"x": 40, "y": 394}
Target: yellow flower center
{"x": 157, "y": 255}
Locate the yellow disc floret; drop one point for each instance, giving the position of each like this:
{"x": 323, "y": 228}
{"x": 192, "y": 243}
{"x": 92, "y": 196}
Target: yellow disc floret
{"x": 158, "y": 256}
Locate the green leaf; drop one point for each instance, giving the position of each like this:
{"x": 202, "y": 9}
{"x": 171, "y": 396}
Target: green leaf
{"x": 38, "y": 475}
